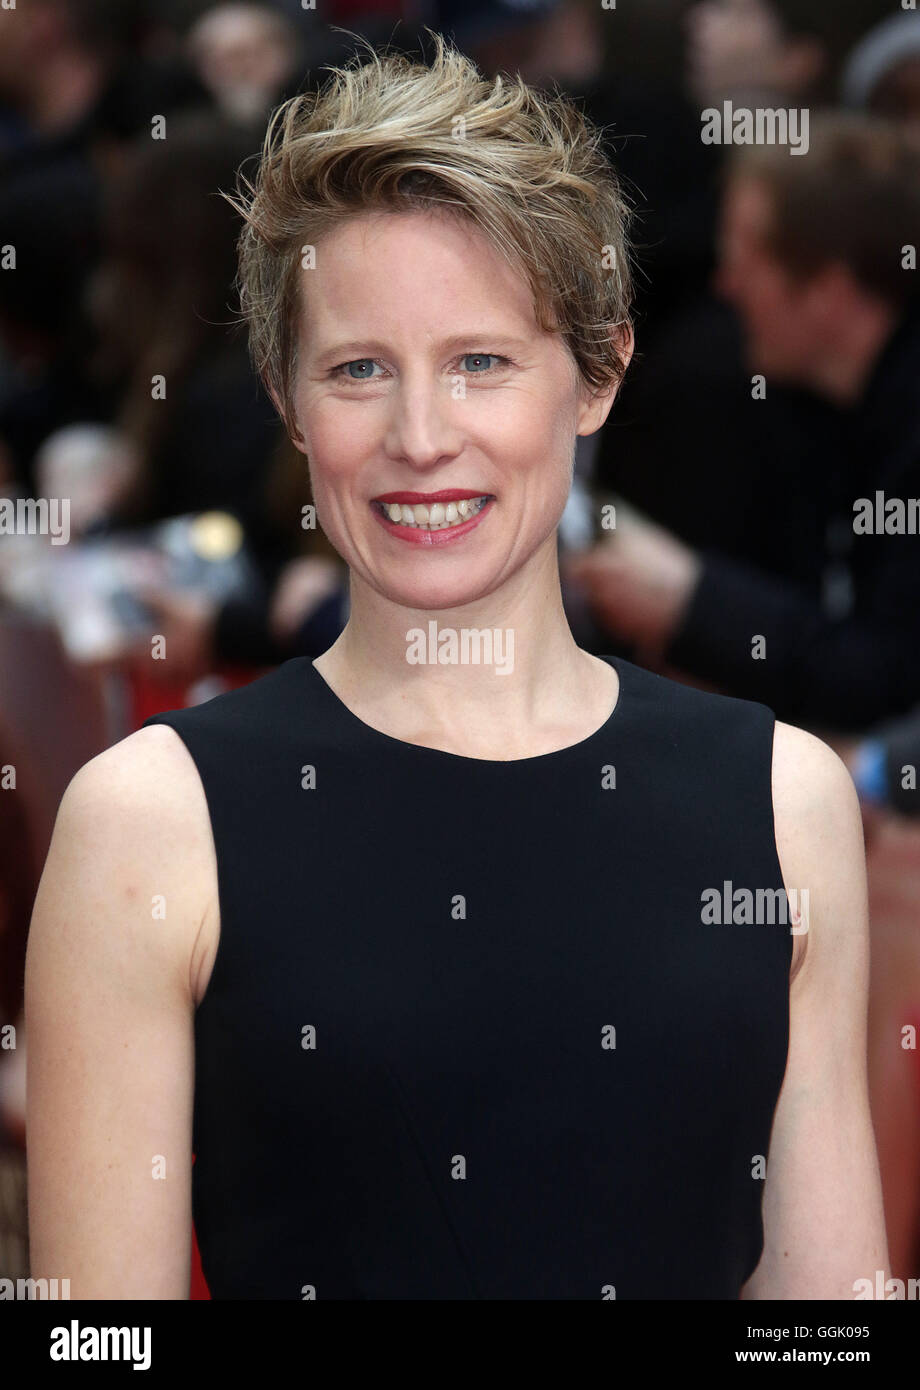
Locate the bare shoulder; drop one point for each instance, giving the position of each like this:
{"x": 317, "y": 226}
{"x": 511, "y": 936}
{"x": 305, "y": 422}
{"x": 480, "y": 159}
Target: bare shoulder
{"x": 819, "y": 834}
{"x": 135, "y": 817}
{"x": 813, "y": 792}
{"x": 151, "y": 766}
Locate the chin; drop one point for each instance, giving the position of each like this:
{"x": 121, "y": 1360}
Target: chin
{"x": 432, "y": 593}
{"x": 432, "y": 598}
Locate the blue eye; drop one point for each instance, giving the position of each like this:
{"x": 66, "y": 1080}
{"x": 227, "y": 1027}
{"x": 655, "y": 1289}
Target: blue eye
{"x": 488, "y": 362}
{"x": 358, "y": 362}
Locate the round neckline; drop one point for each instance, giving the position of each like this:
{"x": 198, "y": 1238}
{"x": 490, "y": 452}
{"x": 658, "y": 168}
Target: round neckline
{"x": 425, "y": 750}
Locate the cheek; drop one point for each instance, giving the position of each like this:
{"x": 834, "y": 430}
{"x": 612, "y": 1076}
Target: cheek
{"x": 548, "y": 461}
{"x": 533, "y": 444}
{"x": 336, "y": 440}
{"x": 545, "y": 416}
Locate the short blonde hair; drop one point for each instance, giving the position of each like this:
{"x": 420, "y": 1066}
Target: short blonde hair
{"x": 524, "y": 166}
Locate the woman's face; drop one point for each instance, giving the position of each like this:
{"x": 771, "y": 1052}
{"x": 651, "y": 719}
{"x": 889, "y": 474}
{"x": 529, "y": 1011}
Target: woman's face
{"x": 422, "y": 370}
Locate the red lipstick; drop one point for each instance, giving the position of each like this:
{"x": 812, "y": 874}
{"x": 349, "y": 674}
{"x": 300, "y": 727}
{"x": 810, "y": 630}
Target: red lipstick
{"x": 447, "y": 494}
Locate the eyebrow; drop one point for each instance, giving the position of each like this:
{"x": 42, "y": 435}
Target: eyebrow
{"x": 367, "y": 346}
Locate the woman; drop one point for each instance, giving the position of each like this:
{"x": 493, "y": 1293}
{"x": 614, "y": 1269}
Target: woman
{"x": 417, "y": 946}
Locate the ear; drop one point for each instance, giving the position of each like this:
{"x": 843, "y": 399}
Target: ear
{"x": 595, "y": 407}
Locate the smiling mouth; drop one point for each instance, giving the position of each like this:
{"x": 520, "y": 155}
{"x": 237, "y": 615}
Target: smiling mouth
{"x": 433, "y": 516}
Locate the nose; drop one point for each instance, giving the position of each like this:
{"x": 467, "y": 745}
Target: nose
{"x": 424, "y": 423}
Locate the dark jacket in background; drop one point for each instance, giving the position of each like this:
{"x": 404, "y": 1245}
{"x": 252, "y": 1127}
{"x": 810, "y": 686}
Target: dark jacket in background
{"x": 830, "y": 663}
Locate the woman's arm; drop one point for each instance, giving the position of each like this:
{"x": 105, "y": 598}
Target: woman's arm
{"x": 109, "y": 1016}
{"x": 824, "y": 1225}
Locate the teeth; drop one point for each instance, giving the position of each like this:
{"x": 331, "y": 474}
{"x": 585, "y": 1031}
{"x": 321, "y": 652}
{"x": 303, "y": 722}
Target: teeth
{"x": 439, "y": 516}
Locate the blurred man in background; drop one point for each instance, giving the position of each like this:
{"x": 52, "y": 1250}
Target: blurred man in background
{"x": 816, "y": 257}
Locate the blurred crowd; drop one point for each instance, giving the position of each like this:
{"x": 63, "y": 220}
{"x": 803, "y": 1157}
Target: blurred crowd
{"x": 761, "y": 459}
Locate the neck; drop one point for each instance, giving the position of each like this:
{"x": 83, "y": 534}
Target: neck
{"x": 536, "y": 677}
{"x": 841, "y": 371}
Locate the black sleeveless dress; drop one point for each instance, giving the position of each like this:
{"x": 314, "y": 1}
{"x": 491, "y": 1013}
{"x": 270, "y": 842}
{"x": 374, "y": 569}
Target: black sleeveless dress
{"x": 471, "y": 1031}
